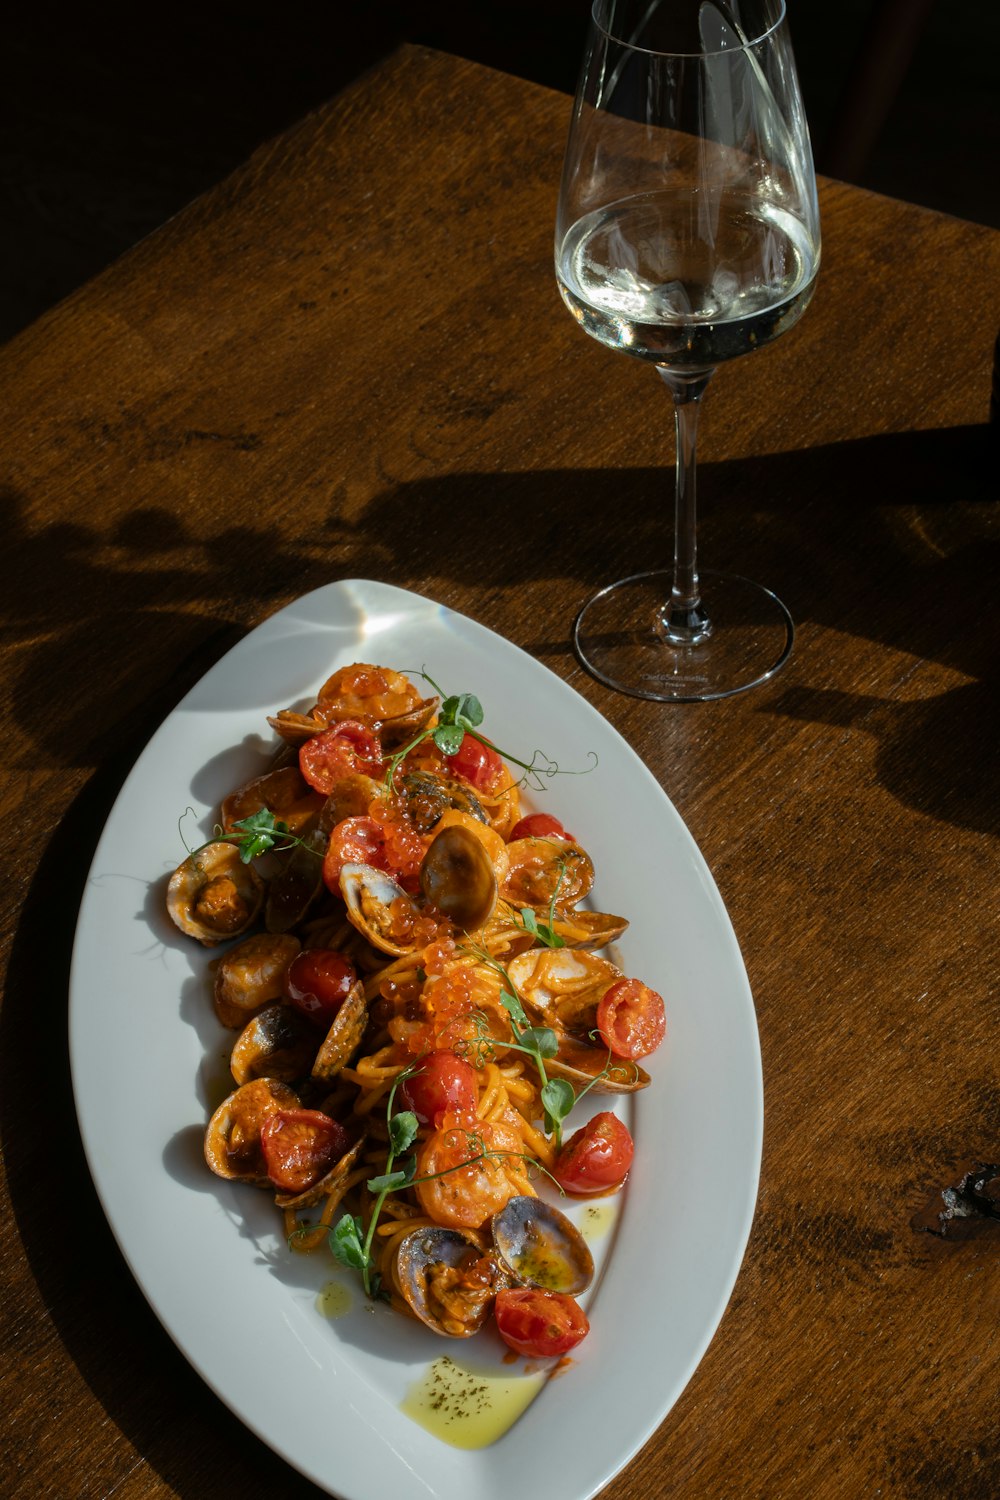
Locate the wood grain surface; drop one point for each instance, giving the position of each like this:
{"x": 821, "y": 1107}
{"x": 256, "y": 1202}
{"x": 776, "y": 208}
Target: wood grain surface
{"x": 350, "y": 359}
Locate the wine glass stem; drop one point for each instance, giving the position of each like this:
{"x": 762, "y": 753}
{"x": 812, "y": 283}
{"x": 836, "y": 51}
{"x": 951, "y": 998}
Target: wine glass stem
{"x": 684, "y": 621}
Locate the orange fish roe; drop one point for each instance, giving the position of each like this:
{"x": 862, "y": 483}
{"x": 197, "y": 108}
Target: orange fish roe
{"x": 401, "y": 993}
{"x": 438, "y": 954}
{"x": 404, "y": 847}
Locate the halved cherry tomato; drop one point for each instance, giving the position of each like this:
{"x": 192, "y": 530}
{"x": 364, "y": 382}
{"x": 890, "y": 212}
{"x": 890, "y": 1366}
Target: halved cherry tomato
{"x": 347, "y": 748}
{"x": 300, "y": 1146}
{"x": 596, "y": 1158}
{"x": 317, "y": 982}
{"x": 539, "y": 826}
{"x": 539, "y": 1324}
{"x": 353, "y": 841}
{"x": 631, "y": 1019}
{"x": 444, "y": 1084}
{"x": 478, "y": 764}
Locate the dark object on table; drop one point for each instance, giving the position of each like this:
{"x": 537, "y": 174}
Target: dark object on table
{"x": 975, "y": 1197}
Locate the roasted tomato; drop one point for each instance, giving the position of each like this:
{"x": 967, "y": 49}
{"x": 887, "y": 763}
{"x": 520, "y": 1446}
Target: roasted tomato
{"x": 443, "y": 1084}
{"x": 353, "y": 841}
{"x": 631, "y": 1019}
{"x": 596, "y": 1158}
{"x": 470, "y": 1194}
{"x": 346, "y": 749}
{"x": 539, "y": 1324}
{"x": 540, "y": 826}
{"x": 317, "y": 982}
{"x": 300, "y": 1146}
{"x": 478, "y": 764}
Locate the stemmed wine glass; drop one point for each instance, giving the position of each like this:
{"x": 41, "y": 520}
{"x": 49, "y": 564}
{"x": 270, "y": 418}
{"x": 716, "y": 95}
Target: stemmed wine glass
{"x": 687, "y": 234}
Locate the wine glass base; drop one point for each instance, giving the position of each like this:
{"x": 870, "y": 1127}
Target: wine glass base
{"x": 620, "y": 637}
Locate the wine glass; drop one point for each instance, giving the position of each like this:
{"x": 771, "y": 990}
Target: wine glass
{"x": 687, "y": 234}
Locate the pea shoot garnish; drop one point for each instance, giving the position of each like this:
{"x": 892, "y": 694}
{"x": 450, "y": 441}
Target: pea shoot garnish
{"x": 254, "y": 835}
{"x": 350, "y": 1242}
{"x": 461, "y": 714}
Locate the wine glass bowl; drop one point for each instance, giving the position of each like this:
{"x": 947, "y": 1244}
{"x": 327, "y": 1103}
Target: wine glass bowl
{"x": 687, "y": 235}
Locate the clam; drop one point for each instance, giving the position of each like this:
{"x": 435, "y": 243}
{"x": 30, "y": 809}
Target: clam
{"x": 297, "y": 884}
{"x": 447, "y": 1280}
{"x": 381, "y": 698}
{"x": 251, "y": 975}
{"x": 543, "y": 870}
{"x": 428, "y": 796}
{"x": 295, "y": 728}
{"x": 232, "y": 1139}
{"x": 351, "y": 797}
{"x": 276, "y": 1043}
{"x": 213, "y": 895}
{"x": 379, "y": 908}
{"x": 563, "y": 985}
{"x": 284, "y": 792}
{"x": 457, "y": 877}
{"x": 541, "y": 1247}
{"x": 585, "y": 929}
{"x": 580, "y": 1063}
{"x": 396, "y": 729}
{"x": 344, "y": 1036}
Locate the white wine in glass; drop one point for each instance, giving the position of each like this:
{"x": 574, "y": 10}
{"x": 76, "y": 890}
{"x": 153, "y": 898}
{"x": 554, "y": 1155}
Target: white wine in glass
{"x": 687, "y": 235}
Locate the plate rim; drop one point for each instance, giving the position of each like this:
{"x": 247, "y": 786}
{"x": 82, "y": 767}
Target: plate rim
{"x": 483, "y": 636}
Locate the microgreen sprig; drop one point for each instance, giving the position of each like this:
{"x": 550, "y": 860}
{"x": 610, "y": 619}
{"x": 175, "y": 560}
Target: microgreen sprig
{"x": 461, "y": 714}
{"x": 543, "y": 932}
{"x": 539, "y": 1042}
{"x": 350, "y": 1243}
{"x": 252, "y": 836}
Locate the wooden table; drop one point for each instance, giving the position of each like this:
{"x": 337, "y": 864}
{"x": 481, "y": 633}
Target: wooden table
{"x": 350, "y": 360}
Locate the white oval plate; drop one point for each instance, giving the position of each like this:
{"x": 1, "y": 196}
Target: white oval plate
{"x": 149, "y": 1063}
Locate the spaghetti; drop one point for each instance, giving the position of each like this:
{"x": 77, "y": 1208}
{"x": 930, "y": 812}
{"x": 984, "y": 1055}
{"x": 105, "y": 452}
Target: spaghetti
{"x": 421, "y": 1012}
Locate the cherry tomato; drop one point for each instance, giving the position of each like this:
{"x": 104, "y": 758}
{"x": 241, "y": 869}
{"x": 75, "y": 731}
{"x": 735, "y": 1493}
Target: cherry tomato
{"x": 631, "y": 1019}
{"x": 539, "y": 826}
{"x": 478, "y": 764}
{"x": 596, "y": 1158}
{"x": 300, "y": 1146}
{"x": 353, "y": 841}
{"x": 347, "y": 748}
{"x": 539, "y": 1324}
{"x": 317, "y": 982}
{"x": 444, "y": 1084}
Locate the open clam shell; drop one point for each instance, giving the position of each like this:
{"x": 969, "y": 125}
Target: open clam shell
{"x": 563, "y": 985}
{"x": 545, "y": 869}
{"x": 541, "y": 1247}
{"x": 297, "y": 884}
{"x": 580, "y": 1064}
{"x": 276, "y": 1043}
{"x": 251, "y": 976}
{"x": 428, "y": 796}
{"x": 232, "y": 1139}
{"x": 585, "y": 929}
{"x": 213, "y": 895}
{"x": 447, "y": 1280}
{"x": 344, "y": 1037}
{"x": 379, "y": 908}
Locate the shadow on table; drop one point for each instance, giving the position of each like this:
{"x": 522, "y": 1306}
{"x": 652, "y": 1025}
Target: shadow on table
{"x": 885, "y": 539}
{"x": 891, "y": 539}
{"x": 134, "y": 1370}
